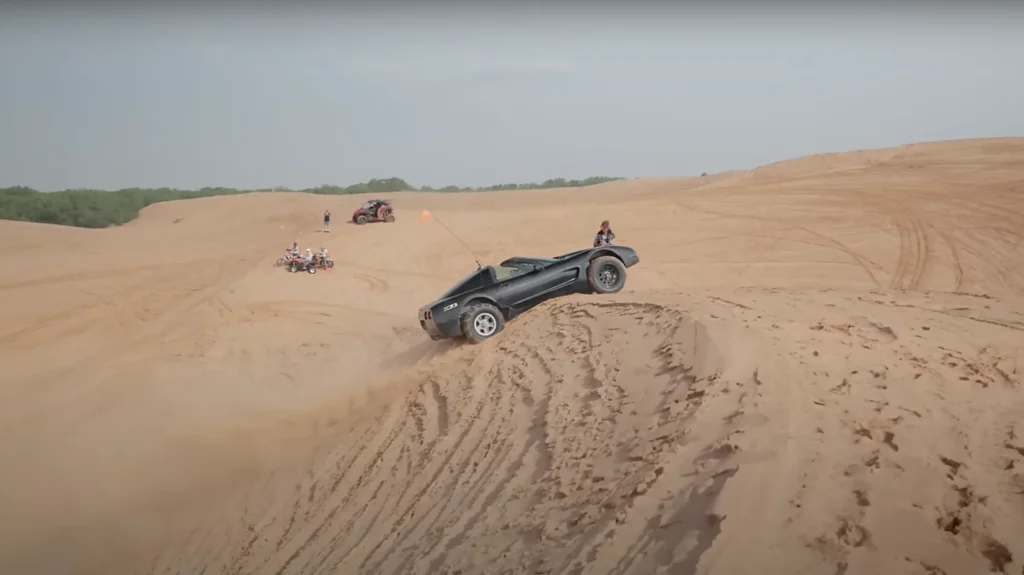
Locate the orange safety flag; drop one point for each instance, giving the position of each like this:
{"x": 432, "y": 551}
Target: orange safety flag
{"x": 424, "y": 215}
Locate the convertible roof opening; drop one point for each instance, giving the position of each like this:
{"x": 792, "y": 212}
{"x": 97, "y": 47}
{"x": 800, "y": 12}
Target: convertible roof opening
{"x": 477, "y": 279}
{"x": 570, "y": 254}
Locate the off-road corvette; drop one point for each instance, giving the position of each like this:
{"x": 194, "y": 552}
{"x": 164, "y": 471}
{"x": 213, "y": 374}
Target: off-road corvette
{"x": 480, "y": 304}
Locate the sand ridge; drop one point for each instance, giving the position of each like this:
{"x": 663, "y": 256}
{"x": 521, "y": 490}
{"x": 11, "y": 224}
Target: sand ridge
{"x": 816, "y": 368}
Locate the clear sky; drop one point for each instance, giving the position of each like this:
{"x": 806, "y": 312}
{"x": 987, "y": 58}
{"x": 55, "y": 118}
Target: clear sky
{"x": 224, "y": 95}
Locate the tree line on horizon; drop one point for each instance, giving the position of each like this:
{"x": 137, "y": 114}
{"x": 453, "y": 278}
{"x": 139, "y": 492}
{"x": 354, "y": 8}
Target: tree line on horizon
{"x": 101, "y": 209}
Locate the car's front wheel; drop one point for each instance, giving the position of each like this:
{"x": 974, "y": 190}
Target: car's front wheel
{"x": 481, "y": 321}
{"x": 606, "y": 274}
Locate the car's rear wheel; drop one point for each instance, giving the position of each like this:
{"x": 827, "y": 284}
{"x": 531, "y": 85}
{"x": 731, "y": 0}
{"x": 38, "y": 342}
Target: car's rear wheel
{"x": 481, "y": 321}
{"x": 389, "y": 217}
{"x": 606, "y": 274}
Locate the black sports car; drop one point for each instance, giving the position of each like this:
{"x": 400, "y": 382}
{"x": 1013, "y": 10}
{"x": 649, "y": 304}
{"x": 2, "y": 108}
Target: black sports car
{"x": 478, "y": 306}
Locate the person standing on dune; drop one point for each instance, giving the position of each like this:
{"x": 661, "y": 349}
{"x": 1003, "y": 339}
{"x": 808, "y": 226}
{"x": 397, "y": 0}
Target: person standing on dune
{"x": 604, "y": 236}
{"x": 327, "y": 221}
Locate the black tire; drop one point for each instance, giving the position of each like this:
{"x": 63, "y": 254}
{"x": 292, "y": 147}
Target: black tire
{"x": 330, "y": 263}
{"x": 606, "y": 274}
{"x": 361, "y": 219}
{"x": 294, "y": 267}
{"x": 311, "y": 269}
{"x": 481, "y": 321}
{"x": 389, "y": 217}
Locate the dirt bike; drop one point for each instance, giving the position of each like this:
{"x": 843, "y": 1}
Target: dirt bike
{"x": 301, "y": 266}
{"x": 323, "y": 263}
{"x": 285, "y": 259}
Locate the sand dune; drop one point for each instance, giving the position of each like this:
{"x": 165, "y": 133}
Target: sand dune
{"x": 816, "y": 368}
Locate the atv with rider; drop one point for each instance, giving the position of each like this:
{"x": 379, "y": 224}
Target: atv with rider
{"x": 374, "y": 211}
{"x": 302, "y": 265}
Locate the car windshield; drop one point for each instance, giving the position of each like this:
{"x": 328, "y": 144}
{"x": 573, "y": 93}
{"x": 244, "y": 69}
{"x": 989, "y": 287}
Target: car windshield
{"x": 510, "y": 270}
{"x": 503, "y": 271}
{"x": 476, "y": 279}
{"x": 367, "y": 206}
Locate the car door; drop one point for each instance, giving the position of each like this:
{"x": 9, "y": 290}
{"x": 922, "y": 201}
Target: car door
{"x": 533, "y": 287}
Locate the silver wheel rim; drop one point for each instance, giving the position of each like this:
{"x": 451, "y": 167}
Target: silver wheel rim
{"x": 485, "y": 324}
{"x": 608, "y": 276}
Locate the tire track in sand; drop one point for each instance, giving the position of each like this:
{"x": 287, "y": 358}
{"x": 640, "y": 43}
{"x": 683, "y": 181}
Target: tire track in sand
{"x": 374, "y": 283}
{"x": 572, "y": 444}
{"x": 958, "y": 234}
{"x": 954, "y": 257}
{"x": 596, "y": 437}
{"x": 914, "y": 250}
{"x": 786, "y": 224}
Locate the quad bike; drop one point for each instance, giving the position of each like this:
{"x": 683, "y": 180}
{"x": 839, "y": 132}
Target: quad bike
{"x": 318, "y": 262}
{"x": 302, "y": 266}
{"x": 374, "y": 211}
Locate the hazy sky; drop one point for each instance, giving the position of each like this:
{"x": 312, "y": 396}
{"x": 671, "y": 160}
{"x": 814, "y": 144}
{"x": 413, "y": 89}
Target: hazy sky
{"x": 246, "y": 97}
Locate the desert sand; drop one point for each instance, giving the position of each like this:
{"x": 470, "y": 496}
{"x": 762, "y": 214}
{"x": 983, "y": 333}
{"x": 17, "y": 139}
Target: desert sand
{"x": 815, "y": 369}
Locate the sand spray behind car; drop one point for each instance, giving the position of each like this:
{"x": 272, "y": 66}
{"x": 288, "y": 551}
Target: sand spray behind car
{"x": 426, "y": 215}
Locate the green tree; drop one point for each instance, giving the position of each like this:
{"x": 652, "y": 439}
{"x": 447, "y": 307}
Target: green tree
{"x": 100, "y": 209}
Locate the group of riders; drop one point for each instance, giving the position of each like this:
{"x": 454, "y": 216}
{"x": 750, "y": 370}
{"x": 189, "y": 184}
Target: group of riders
{"x": 309, "y": 258}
